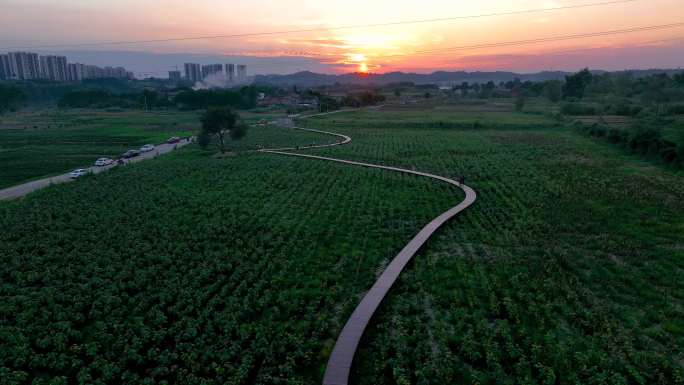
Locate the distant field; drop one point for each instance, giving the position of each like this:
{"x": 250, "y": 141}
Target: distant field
{"x": 36, "y": 144}
{"x": 532, "y": 105}
{"x": 446, "y": 116}
{"x": 191, "y": 269}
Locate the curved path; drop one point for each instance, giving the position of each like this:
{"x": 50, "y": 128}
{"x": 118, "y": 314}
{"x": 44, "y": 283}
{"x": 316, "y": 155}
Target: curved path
{"x": 340, "y": 361}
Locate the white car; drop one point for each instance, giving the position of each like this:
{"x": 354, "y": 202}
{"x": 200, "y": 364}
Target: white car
{"x": 147, "y": 148}
{"x": 78, "y": 173}
{"x": 103, "y": 162}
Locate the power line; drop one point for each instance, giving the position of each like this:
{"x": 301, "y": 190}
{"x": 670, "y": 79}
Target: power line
{"x": 540, "y": 40}
{"x": 254, "y": 34}
{"x": 501, "y": 44}
{"x": 641, "y": 44}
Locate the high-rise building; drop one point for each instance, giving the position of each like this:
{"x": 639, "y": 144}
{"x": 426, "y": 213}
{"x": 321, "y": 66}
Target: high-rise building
{"x": 5, "y": 70}
{"x": 115, "y": 72}
{"x": 241, "y": 73}
{"x": 230, "y": 72}
{"x": 193, "y": 72}
{"x": 174, "y": 76}
{"x": 76, "y": 72}
{"x": 54, "y": 68}
{"x": 211, "y": 69}
{"x": 24, "y": 65}
{"x": 44, "y": 72}
{"x": 30, "y": 66}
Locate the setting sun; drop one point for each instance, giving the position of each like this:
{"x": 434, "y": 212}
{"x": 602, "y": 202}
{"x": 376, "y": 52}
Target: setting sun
{"x": 363, "y": 67}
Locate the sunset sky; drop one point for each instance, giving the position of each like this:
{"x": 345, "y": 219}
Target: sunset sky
{"x": 30, "y": 23}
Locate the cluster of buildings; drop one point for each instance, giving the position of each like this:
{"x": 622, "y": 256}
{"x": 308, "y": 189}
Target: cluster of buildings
{"x": 196, "y": 73}
{"x": 31, "y": 66}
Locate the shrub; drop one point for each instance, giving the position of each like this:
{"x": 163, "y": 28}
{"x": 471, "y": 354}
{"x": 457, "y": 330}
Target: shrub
{"x": 623, "y": 109}
{"x": 598, "y": 130}
{"x": 677, "y": 109}
{"x": 578, "y": 109}
{"x": 519, "y": 103}
{"x": 616, "y": 135}
{"x": 680, "y": 148}
{"x": 668, "y": 151}
{"x": 203, "y": 139}
{"x": 645, "y": 139}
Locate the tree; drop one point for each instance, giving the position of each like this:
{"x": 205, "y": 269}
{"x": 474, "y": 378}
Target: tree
{"x": 553, "y": 90}
{"x": 657, "y": 90}
{"x": 513, "y": 84}
{"x": 576, "y": 84}
{"x": 149, "y": 100}
{"x": 464, "y": 88}
{"x": 680, "y": 148}
{"x": 217, "y": 122}
{"x": 520, "y": 102}
{"x": 679, "y": 79}
{"x": 644, "y": 138}
{"x": 487, "y": 90}
{"x": 10, "y": 98}
{"x": 368, "y": 98}
{"x": 326, "y": 103}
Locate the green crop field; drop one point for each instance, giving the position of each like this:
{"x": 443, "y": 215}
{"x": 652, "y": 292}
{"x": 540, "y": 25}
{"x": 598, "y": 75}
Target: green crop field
{"x": 195, "y": 270}
{"x": 566, "y": 270}
{"x": 190, "y": 269}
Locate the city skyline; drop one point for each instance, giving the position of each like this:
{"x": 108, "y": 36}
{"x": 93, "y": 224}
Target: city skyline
{"x": 22, "y": 65}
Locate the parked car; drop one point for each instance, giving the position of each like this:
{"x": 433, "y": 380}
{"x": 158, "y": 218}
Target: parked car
{"x": 103, "y": 162}
{"x": 78, "y": 173}
{"x": 173, "y": 140}
{"x": 130, "y": 154}
{"x": 147, "y": 148}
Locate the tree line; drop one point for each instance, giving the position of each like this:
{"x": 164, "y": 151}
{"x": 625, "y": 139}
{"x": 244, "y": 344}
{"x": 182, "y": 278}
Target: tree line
{"x": 10, "y": 98}
{"x": 188, "y": 99}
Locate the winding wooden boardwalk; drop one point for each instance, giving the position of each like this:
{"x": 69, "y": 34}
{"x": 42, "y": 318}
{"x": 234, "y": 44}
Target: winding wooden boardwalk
{"x": 340, "y": 361}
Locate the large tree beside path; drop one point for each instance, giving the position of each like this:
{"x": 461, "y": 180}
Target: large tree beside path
{"x": 217, "y": 122}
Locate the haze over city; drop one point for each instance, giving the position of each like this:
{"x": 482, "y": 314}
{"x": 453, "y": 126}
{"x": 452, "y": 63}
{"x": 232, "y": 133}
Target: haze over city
{"x": 386, "y": 48}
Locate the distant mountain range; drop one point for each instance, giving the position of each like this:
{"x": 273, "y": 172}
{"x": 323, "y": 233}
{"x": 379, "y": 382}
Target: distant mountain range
{"x": 311, "y": 79}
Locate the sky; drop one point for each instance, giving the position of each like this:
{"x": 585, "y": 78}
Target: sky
{"x": 36, "y": 23}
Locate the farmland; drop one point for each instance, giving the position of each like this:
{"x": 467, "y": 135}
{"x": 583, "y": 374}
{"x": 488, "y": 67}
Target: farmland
{"x": 214, "y": 271}
{"x": 243, "y": 270}
{"x": 37, "y": 144}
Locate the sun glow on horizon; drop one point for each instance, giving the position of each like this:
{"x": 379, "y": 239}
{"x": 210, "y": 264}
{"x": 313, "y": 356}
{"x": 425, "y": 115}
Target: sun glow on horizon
{"x": 361, "y": 60}
{"x": 328, "y": 36}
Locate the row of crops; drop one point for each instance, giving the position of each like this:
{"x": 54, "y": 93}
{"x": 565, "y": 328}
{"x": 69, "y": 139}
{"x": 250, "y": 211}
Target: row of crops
{"x": 567, "y": 270}
{"x": 195, "y": 270}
